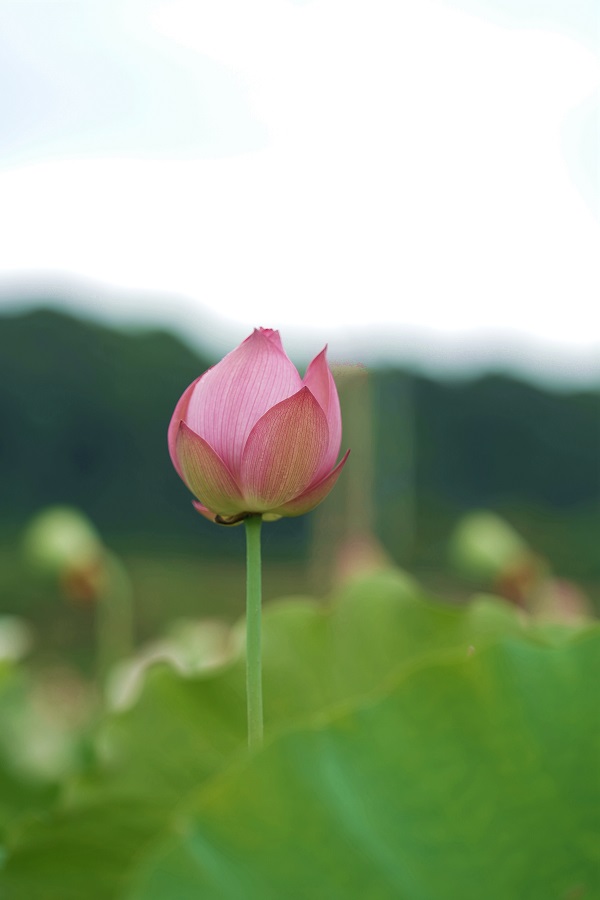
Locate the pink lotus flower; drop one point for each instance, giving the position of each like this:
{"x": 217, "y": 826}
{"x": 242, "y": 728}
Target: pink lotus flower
{"x": 251, "y": 437}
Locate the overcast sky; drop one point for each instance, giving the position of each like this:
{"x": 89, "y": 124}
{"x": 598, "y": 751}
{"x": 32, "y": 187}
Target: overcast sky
{"x": 406, "y": 170}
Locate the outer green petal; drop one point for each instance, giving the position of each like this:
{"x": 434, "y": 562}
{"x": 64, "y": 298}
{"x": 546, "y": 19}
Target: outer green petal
{"x": 313, "y": 496}
{"x": 283, "y": 452}
{"x": 217, "y": 519}
{"x": 206, "y": 475}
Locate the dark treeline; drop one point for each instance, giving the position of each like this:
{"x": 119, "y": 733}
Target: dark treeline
{"x": 85, "y": 410}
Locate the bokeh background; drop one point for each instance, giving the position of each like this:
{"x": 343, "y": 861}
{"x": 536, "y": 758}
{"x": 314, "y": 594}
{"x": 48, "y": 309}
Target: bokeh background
{"x": 415, "y": 185}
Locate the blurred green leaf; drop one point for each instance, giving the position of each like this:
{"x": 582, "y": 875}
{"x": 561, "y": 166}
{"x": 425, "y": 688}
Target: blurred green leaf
{"x": 470, "y": 778}
{"x": 405, "y": 747}
{"x": 314, "y": 657}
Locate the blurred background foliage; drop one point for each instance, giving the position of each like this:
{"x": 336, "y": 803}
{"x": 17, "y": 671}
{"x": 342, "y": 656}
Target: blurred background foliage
{"x": 463, "y": 727}
{"x": 86, "y": 407}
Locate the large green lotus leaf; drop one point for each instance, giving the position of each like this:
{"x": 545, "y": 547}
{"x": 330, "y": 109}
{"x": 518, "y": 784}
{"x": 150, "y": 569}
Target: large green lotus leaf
{"x": 474, "y": 775}
{"x": 314, "y": 658}
{"x": 20, "y": 797}
{"x": 179, "y": 732}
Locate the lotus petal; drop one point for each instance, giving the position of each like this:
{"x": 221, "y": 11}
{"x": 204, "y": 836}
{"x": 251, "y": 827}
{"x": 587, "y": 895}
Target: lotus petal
{"x": 177, "y": 417}
{"x": 206, "y": 475}
{"x": 207, "y": 513}
{"x": 283, "y": 452}
{"x": 213, "y": 517}
{"x": 230, "y": 398}
{"x": 313, "y": 495}
{"x": 320, "y": 382}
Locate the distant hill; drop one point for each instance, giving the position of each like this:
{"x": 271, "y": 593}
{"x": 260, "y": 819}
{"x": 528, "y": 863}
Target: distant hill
{"x": 495, "y": 442}
{"x": 85, "y": 410}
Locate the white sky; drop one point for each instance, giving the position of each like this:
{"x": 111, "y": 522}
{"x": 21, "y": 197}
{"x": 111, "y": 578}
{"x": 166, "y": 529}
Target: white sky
{"x": 401, "y": 171}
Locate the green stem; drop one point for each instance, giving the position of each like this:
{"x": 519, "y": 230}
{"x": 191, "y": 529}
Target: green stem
{"x": 253, "y": 632}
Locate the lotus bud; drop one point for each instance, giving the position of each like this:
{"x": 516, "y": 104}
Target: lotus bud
{"x": 251, "y": 437}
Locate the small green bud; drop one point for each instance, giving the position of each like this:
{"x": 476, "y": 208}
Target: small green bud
{"x": 60, "y": 539}
{"x": 483, "y": 547}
